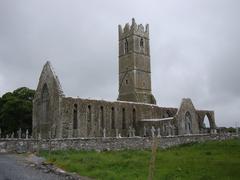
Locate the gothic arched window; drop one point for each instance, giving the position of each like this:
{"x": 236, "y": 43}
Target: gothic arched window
{"x": 45, "y": 103}
{"x": 89, "y": 119}
{"x": 113, "y": 118}
{"x": 75, "y": 119}
{"x": 123, "y": 119}
{"x": 102, "y": 117}
{"x": 188, "y": 123}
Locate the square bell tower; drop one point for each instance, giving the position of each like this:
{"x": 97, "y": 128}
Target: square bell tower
{"x": 134, "y": 64}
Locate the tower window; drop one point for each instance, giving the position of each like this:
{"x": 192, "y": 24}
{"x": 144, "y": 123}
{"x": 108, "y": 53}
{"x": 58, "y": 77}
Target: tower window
{"x": 141, "y": 43}
{"x": 126, "y": 46}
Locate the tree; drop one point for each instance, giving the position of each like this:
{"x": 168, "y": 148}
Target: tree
{"x": 16, "y": 110}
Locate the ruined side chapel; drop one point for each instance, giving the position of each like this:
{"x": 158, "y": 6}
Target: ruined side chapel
{"x": 135, "y": 113}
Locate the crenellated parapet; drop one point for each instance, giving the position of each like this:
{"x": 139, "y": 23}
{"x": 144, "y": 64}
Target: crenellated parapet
{"x": 133, "y": 29}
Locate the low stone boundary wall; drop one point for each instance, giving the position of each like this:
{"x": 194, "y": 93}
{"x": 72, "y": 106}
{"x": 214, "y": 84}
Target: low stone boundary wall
{"x": 101, "y": 144}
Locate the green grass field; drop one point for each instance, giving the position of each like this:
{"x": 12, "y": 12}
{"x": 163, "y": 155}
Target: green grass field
{"x": 209, "y": 160}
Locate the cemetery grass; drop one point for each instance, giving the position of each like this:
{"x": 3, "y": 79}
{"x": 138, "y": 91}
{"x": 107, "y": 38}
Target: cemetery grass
{"x": 209, "y": 160}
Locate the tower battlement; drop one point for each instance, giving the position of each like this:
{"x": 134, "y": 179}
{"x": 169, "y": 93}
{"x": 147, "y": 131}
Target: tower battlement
{"x": 134, "y": 28}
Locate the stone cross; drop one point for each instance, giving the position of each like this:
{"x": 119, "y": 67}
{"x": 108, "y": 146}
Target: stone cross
{"x": 133, "y": 132}
{"x": 153, "y": 131}
{"x": 12, "y": 135}
{"x": 104, "y": 132}
{"x": 159, "y": 132}
{"x": 19, "y": 133}
{"x": 116, "y": 133}
{"x": 27, "y": 134}
{"x": 144, "y": 131}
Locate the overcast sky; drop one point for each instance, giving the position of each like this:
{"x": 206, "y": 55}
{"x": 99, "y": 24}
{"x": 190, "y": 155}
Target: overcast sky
{"x": 195, "y": 50}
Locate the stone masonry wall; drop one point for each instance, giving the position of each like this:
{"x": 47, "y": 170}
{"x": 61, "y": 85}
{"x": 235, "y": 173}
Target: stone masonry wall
{"x": 101, "y": 144}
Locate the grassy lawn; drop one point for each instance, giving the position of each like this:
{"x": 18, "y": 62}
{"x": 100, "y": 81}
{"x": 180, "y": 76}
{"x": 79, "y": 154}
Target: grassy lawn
{"x": 209, "y": 160}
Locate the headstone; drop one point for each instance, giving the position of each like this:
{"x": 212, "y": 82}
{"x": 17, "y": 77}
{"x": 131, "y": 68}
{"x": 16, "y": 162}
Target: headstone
{"x": 12, "y": 135}
{"x": 119, "y": 135}
{"x": 169, "y": 130}
{"x": 39, "y": 136}
{"x": 153, "y": 131}
{"x": 144, "y": 131}
{"x": 116, "y": 133}
{"x": 159, "y": 132}
{"x": 7, "y": 136}
{"x": 130, "y": 131}
{"x": 49, "y": 134}
{"x": 104, "y": 132}
{"x": 133, "y": 132}
{"x": 19, "y": 132}
{"x": 27, "y": 134}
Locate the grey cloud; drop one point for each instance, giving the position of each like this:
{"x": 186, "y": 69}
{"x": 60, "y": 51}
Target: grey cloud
{"x": 194, "y": 48}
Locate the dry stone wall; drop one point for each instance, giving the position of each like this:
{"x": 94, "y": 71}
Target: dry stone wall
{"x": 101, "y": 144}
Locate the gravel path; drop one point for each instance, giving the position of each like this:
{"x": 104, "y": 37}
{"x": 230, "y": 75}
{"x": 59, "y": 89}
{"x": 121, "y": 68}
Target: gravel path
{"x": 15, "y": 167}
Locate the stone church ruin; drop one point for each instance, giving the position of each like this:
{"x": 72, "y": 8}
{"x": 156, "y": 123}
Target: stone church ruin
{"x": 135, "y": 113}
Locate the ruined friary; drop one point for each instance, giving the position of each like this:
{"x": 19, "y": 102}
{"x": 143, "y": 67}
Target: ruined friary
{"x": 135, "y": 113}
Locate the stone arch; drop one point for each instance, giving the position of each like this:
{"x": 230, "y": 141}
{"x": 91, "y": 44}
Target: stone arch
{"x": 209, "y": 116}
{"x": 188, "y": 123}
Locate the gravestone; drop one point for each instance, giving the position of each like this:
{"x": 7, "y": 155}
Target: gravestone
{"x": 153, "y": 131}
{"x": 144, "y": 131}
{"x": 12, "y": 135}
{"x": 27, "y": 134}
{"x": 19, "y": 132}
{"x": 130, "y": 131}
{"x": 159, "y": 132}
{"x": 39, "y": 136}
{"x": 133, "y": 132}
